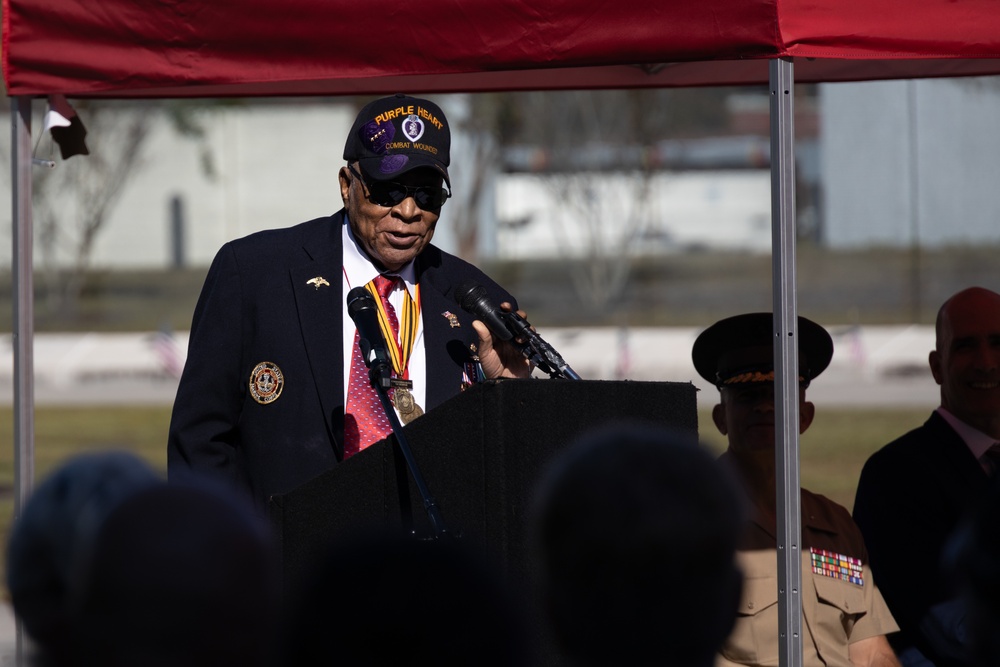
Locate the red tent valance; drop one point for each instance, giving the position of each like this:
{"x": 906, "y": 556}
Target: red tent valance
{"x": 182, "y": 48}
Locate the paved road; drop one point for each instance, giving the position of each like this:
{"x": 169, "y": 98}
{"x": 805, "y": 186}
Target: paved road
{"x": 872, "y": 366}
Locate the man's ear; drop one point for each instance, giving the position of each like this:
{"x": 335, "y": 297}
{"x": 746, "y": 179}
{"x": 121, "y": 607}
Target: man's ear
{"x": 806, "y": 413}
{"x": 345, "y": 183}
{"x": 934, "y": 361}
{"x": 719, "y": 417}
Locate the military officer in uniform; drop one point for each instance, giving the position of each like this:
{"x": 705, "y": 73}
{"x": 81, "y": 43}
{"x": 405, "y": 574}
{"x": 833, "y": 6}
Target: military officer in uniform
{"x": 845, "y": 619}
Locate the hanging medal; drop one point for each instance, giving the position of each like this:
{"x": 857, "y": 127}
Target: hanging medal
{"x": 399, "y": 351}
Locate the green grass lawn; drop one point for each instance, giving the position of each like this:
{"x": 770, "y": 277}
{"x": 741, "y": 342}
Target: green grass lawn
{"x": 64, "y": 432}
{"x": 832, "y": 451}
{"x": 836, "y": 446}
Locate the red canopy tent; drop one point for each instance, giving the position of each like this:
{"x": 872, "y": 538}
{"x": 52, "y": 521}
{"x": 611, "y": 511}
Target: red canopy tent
{"x": 211, "y": 48}
{"x": 120, "y": 48}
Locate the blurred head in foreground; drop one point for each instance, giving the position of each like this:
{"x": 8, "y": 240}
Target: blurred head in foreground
{"x": 111, "y": 566}
{"x": 637, "y": 529}
{"x": 51, "y": 542}
{"x": 181, "y": 576}
{"x": 972, "y": 560}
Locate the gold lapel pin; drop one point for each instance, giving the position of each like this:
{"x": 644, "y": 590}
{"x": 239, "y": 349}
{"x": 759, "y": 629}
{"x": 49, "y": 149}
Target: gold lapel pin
{"x": 317, "y": 282}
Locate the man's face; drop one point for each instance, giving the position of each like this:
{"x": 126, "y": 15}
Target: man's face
{"x": 391, "y": 235}
{"x": 746, "y": 416}
{"x": 966, "y": 362}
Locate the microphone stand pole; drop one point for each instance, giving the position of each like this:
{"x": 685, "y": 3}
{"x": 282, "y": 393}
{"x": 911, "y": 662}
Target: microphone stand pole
{"x": 379, "y": 373}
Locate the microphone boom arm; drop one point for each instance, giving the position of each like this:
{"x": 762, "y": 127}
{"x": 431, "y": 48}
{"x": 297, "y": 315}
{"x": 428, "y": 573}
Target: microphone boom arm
{"x": 536, "y": 350}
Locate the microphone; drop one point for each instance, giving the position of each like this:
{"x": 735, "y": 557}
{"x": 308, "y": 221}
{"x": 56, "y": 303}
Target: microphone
{"x": 473, "y": 299}
{"x": 509, "y": 326}
{"x": 362, "y": 309}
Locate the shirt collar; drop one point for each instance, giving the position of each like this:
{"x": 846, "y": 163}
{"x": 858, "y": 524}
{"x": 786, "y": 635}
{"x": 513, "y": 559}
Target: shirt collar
{"x": 359, "y": 270}
{"x": 977, "y": 441}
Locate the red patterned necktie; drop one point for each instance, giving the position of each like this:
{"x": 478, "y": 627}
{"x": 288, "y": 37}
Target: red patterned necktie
{"x": 365, "y": 422}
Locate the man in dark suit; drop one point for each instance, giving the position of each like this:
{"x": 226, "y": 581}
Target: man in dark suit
{"x": 915, "y": 491}
{"x": 268, "y": 398}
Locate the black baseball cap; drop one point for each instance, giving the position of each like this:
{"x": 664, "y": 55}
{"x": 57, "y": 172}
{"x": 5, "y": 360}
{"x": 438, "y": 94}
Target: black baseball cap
{"x": 740, "y": 350}
{"x": 394, "y": 135}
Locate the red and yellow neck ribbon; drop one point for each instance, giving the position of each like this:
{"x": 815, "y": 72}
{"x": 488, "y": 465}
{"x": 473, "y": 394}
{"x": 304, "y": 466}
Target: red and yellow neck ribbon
{"x": 399, "y": 348}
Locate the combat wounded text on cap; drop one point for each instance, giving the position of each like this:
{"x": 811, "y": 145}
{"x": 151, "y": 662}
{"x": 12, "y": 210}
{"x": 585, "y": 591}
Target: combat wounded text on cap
{"x": 394, "y": 135}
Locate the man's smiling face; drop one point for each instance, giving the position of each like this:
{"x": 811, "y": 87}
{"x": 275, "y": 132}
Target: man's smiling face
{"x": 966, "y": 362}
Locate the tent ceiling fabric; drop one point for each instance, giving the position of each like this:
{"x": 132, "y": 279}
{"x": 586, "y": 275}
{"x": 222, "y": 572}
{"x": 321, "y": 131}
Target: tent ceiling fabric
{"x": 209, "y": 48}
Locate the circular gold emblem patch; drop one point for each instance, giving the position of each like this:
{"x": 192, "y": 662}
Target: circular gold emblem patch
{"x": 266, "y": 382}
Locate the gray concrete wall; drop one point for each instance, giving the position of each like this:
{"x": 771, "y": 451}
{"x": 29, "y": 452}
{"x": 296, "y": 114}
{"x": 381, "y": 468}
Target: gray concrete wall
{"x": 908, "y": 162}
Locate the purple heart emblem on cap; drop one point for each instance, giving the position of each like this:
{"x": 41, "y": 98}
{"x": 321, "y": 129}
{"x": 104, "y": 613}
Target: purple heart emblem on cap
{"x": 413, "y": 127}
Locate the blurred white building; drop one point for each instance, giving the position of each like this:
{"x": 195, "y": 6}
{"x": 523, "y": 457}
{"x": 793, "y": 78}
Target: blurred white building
{"x": 567, "y": 215}
{"x": 275, "y": 164}
{"x": 901, "y": 162}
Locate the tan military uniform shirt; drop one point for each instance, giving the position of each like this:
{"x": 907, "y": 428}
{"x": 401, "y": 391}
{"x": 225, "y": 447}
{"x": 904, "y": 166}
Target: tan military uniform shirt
{"x": 840, "y": 603}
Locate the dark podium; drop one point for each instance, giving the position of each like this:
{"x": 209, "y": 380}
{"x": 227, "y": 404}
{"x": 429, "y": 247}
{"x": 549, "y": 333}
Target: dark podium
{"x": 480, "y": 454}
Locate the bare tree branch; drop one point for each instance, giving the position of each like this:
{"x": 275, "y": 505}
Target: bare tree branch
{"x": 73, "y": 202}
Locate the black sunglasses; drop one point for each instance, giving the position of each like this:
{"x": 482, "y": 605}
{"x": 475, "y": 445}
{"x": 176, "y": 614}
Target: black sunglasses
{"x": 390, "y": 193}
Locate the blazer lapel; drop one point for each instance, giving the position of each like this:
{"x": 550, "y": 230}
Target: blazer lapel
{"x": 320, "y": 309}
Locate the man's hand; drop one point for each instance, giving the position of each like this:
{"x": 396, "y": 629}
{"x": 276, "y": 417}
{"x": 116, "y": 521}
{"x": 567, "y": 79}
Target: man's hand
{"x": 872, "y": 652}
{"x": 500, "y": 358}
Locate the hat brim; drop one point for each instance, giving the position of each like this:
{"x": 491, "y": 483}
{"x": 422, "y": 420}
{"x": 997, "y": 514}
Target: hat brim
{"x": 391, "y": 167}
{"x": 755, "y": 330}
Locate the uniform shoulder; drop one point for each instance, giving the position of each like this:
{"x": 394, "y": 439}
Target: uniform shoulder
{"x": 822, "y": 507}
{"x": 825, "y": 515}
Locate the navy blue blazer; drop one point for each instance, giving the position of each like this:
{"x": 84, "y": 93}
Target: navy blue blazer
{"x": 911, "y": 496}
{"x": 256, "y": 306}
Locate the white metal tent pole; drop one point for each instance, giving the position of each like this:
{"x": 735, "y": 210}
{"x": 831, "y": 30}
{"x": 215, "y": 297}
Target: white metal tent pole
{"x": 24, "y": 311}
{"x": 786, "y": 364}
{"x": 24, "y": 320}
